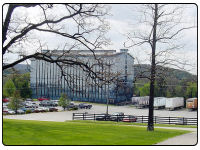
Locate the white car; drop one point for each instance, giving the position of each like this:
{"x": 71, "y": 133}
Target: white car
{"x": 19, "y": 111}
{"x": 11, "y": 111}
{"x": 42, "y": 109}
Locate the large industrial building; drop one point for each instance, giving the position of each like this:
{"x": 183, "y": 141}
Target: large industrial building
{"x": 47, "y": 81}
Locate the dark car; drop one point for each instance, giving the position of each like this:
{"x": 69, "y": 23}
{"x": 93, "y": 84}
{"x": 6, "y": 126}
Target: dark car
{"x": 51, "y": 109}
{"x": 118, "y": 116}
{"x": 103, "y": 117}
{"x": 85, "y": 106}
{"x": 129, "y": 119}
{"x": 73, "y": 106}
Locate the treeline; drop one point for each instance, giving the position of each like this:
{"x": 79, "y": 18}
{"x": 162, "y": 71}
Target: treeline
{"x": 17, "y": 82}
{"x": 183, "y": 89}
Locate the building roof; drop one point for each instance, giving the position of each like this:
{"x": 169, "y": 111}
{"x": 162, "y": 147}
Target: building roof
{"x": 86, "y": 53}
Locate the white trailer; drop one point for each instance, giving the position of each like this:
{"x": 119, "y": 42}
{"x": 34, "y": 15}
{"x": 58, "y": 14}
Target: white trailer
{"x": 174, "y": 103}
{"x": 159, "y": 102}
{"x": 141, "y": 102}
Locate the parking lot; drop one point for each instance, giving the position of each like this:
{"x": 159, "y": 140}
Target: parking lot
{"x": 101, "y": 108}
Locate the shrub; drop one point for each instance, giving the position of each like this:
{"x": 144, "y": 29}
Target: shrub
{"x": 28, "y": 111}
{"x": 74, "y": 108}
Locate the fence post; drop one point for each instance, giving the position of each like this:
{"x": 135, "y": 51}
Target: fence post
{"x": 73, "y": 116}
{"x": 83, "y": 116}
{"x": 142, "y": 118}
{"x": 169, "y": 120}
{"x": 94, "y": 117}
{"x": 155, "y": 119}
{"x": 184, "y": 121}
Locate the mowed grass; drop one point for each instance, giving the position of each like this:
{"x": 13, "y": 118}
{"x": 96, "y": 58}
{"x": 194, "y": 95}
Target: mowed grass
{"x": 27, "y": 132}
{"x": 132, "y": 123}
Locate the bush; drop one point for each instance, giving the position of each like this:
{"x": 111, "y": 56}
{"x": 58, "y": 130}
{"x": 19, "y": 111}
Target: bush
{"x": 74, "y": 108}
{"x": 28, "y": 111}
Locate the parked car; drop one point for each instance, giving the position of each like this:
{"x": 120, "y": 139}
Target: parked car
{"x": 72, "y": 106}
{"x": 118, "y": 116}
{"x": 20, "y": 111}
{"x": 55, "y": 102}
{"x": 31, "y": 105}
{"x": 103, "y": 117}
{"x": 5, "y": 104}
{"x": 182, "y": 121}
{"x": 129, "y": 119}
{"x": 48, "y": 103}
{"x": 5, "y": 110}
{"x": 29, "y": 99}
{"x": 43, "y": 98}
{"x": 41, "y": 109}
{"x": 11, "y": 111}
{"x": 5, "y": 100}
{"x": 51, "y": 109}
{"x": 84, "y": 105}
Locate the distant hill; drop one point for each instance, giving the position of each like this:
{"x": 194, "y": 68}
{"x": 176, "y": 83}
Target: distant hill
{"x": 19, "y": 68}
{"x": 169, "y": 73}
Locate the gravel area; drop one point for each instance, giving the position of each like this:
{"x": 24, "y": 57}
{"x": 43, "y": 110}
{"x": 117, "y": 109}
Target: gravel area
{"x": 101, "y": 108}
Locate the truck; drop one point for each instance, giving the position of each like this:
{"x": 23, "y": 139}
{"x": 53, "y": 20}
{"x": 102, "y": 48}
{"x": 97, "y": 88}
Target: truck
{"x": 191, "y": 103}
{"x": 174, "y": 103}
{"x": 141, "y": 102}
{"x": 159, "y": 102}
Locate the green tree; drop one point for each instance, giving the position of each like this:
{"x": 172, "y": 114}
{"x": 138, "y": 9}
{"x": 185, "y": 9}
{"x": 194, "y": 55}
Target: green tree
{"x": 9, "y": 88}
{"x": 178, "y": 91}
{"x": 22, "y": 83}
{"x": 64, "y": 101}
{"x": 144, "y": 90}
{"x": 15, "y": 102}
{"x": 191, "y": 90}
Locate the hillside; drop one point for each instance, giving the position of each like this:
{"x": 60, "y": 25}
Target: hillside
{"x": 169, "y": 73}
{"x": 19, "y": 68}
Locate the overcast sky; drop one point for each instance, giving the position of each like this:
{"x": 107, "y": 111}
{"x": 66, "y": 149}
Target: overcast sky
{"x": 121, "y": 19}
{"x": 125, "y": 15}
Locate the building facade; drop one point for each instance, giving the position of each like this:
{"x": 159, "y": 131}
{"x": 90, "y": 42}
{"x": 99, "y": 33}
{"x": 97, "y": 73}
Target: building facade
{"x": 47, "y": 81}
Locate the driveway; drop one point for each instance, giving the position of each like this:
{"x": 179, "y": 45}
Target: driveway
{"x": 185, "y": 139}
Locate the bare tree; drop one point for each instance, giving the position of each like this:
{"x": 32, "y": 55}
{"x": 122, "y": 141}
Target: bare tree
{"x": 80, "y": 26}
{"x": 162, "y": 28}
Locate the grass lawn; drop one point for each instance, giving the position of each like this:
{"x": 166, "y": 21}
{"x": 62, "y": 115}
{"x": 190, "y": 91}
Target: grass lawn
{"x": 133, "y": 123}
{"x": 25, "y": 132}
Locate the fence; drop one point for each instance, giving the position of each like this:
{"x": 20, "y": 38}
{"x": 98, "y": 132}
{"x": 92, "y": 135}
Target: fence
{"x": 140, "y": 119}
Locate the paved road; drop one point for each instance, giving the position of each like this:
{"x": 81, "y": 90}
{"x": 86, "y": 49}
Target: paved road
{"x": 185, "y": 139}
{"x": 100, "y": 108}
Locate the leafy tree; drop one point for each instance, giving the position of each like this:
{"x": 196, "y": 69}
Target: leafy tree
{"x": 22, "y": 83}
{"x": 191, "y": 90}
{"x": 178, "y": 91}
{"x": 64, "y": 101}
{"x": 144, "y": 91}
{"x": 15, "y": 102}
{"x": 9, "y": 88}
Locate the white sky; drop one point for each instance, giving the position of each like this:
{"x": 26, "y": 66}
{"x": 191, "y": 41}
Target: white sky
{"x": 125, "y": 15}
{"x": 122, "y": 16}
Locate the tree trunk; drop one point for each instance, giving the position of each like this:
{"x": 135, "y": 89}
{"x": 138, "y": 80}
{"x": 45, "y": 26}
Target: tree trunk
{"x": 153, "y": 72}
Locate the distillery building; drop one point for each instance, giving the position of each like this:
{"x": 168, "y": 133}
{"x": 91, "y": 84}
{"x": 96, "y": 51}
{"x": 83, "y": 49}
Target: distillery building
{"x": 115, "y": 68}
